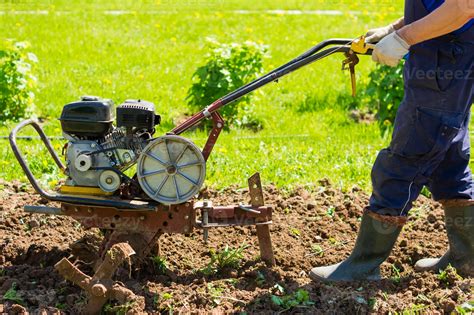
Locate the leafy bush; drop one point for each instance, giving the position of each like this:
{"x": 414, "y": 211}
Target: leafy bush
{"x": 17, "y": 82}
{"x": 227, "y": 67}
{"x": 384, "y": 93}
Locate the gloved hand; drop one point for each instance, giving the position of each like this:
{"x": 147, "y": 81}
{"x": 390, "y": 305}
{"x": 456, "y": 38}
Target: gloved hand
{"x": 376, "y": 34}
{"x": 390, "y": 50}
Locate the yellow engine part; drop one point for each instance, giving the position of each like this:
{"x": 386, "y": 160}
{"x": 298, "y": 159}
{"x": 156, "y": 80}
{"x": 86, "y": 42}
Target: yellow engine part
{"x": 83, "y": 190}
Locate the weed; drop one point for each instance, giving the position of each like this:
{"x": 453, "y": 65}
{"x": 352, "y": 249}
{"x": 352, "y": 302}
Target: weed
{"x": 415, "y": 309}
{"x": 260, "y": 278}
{"x": 12, "y": 295}
{"x": 160, "y": 264}
{"x": 227, "y": 258}
{"x": 60, "y": 306}
{"x": 465, "y": 308}
{"x": 449, "y": 275}
{"x": 215, "y": 293}
{"x": 118, "y": 309}
{"x": 396, "y": 278}
{"x": 164, "y": 302}
{"x": 331, "y": 211}
{"x": 297, "y": 299}
{"x": 295, "y": 232}
{"x": 317, "y": 250}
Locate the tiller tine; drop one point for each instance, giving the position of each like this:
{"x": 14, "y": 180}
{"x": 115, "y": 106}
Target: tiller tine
{"x": 100, "y": 288}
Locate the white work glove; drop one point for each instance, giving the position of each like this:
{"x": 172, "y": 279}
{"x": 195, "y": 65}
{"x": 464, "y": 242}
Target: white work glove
{"x": 390, "y": 50}
{"x": 376, "y": 34}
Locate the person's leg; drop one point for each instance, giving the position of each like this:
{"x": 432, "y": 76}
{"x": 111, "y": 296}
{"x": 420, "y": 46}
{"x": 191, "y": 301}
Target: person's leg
{"x": 420, "y": 141}
{"x": 451, "y": 184}
{"x": 453, "y": 179}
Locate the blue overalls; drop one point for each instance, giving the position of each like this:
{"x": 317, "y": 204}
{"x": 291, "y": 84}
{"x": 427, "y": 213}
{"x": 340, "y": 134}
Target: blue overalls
{"x": 430, "y": 142}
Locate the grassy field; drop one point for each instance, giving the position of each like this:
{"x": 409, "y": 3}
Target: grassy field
{"x": 149, "y": 50}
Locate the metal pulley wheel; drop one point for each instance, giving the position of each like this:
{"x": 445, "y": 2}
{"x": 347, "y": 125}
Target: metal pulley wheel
{"x": 171, "y": 169}
{"x": 109, "y": 181}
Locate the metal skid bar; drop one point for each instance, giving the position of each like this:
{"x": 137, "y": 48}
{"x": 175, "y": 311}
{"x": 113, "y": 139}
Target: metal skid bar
{"x": 111, "y": 202}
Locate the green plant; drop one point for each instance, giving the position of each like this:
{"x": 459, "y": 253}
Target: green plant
{"x": 17, "y": 82}
{"x": 215, "y": 292}
{"x": 331, "y": 211}
{"x": 295, "y": 232}
{"x": 227, "y": 67}
{"x": 384, "y": 93}
{"x": 160, "y": 264}
{"x": 317, "y": 250}
{"x": 465, "y": 308}
{"x": 260, "y": 278}
{"x": 164, "y": 302}
{"x": 297, "y": 299}
{"x": 449, "y": 275}
{"x": 396, "y": 278}
{"x": 415, "y": 309}
{"x": 60, "y": 306}
{"x": 226, "y": 258}
{"x": 118, "y": 309}
{"x": 12, "y": 295}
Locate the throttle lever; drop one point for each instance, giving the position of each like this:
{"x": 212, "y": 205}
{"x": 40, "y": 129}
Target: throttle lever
{"x": 349, "y": 64}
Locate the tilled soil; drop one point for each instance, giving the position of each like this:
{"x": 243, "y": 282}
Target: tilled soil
{"x": 312, "y": 226}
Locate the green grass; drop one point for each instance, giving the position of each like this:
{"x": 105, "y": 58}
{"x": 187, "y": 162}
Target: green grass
{"x": 150, "y": 52}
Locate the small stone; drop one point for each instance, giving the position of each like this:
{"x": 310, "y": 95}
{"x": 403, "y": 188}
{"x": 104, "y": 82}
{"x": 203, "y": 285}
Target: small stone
{"x": 33, "y": 223}
{"x": 310, "y": 205}
{"x": 17, "y": 309}
{"x": 403, "y": 243}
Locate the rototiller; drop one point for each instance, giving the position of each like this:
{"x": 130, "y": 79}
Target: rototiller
{"x": 170, "y": 169}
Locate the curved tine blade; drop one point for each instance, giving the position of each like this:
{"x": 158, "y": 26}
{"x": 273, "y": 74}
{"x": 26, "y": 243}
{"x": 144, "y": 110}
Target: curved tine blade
{"x": 162, "y": 184}
{"x": 155, "y": 158}
{"x": 177, "y": 188}
{"x": 189, "y": 164}
{"x": 153, "y": 173}
{"x": 186, "y": 177}
{"x": 180, "y": 155}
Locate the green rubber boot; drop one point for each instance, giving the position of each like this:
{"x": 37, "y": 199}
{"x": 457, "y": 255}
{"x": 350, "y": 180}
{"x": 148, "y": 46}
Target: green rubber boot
{"x": 377, "y": 236}
{"x": 459, "y": 218}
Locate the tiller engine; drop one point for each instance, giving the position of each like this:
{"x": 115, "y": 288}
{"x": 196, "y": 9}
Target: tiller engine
{"x": 169, "y": 172}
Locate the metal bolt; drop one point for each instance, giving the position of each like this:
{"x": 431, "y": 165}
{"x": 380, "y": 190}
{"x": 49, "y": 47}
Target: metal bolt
{"x": 98, "y": 290}
{"x": 205, "y": 221}
{"x": 89, "y": 210}
{"x": 142, "y": 218}
{"x": 186, "y": 217}
{"x": 186, "y": 229}
{"x": 219, "y": 125}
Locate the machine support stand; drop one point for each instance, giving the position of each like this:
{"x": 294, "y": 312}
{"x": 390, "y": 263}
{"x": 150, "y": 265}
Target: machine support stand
{"x": 263, "y": 230}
